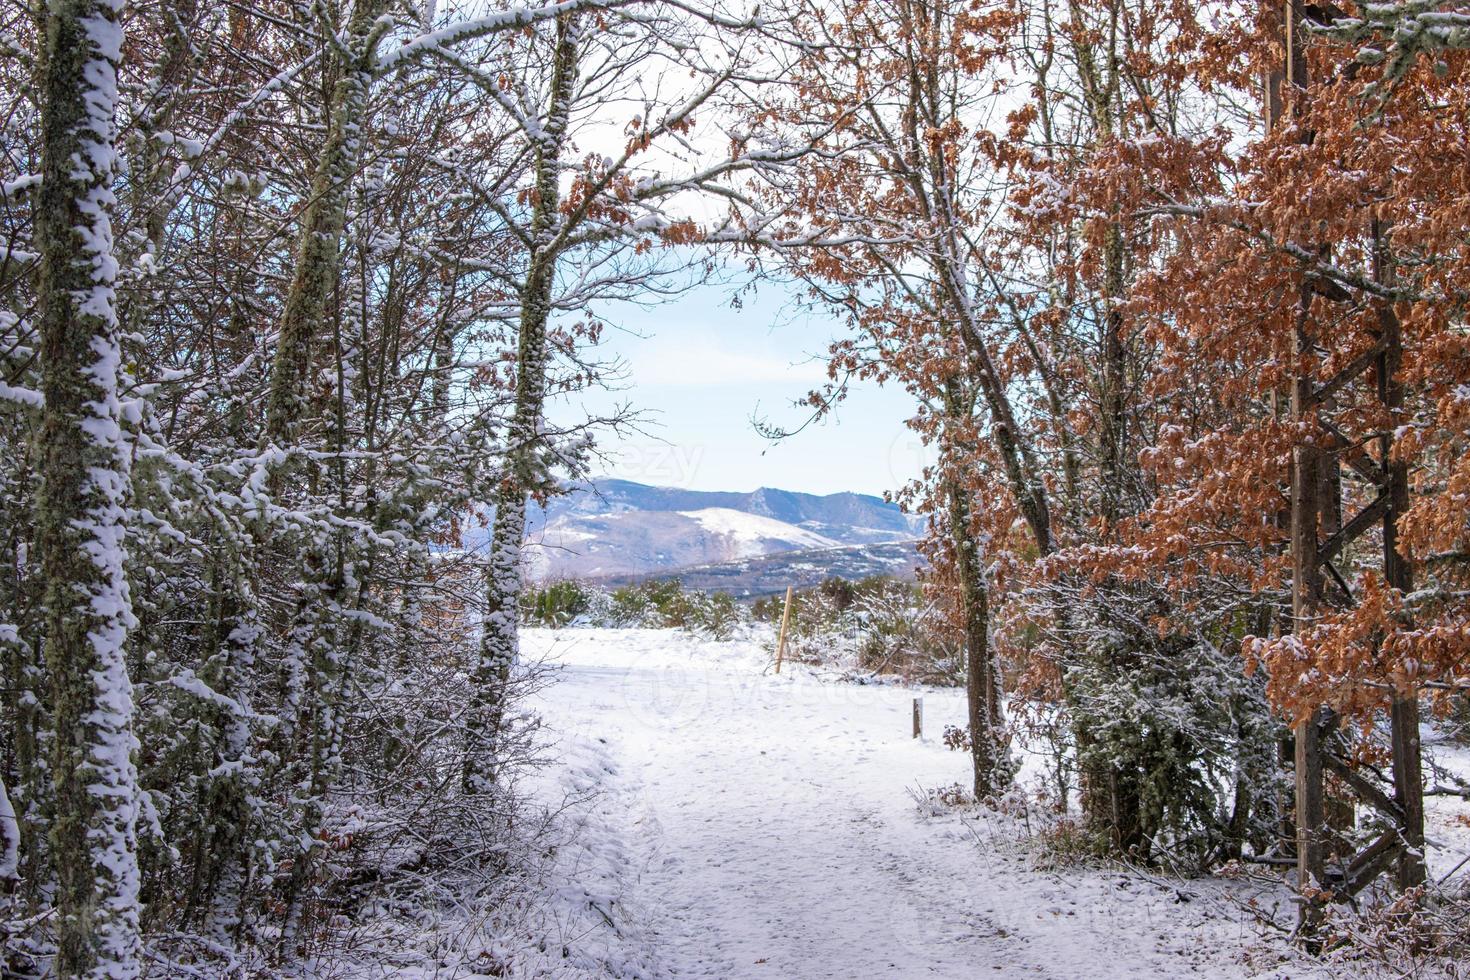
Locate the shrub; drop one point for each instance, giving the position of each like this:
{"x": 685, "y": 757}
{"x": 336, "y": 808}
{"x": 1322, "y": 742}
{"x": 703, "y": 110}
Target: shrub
{"x": 1063, "y": 843}
{"x": 877, "y": 625}
{"x": 555, "y": 604}
{"x": 657, "y": 604}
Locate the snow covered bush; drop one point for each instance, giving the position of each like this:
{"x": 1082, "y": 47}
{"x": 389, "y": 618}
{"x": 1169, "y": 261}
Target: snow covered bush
{"x": 1425, "y": 932}
{"x": 665, "y": 604}
{"x": 1174, "y": 746}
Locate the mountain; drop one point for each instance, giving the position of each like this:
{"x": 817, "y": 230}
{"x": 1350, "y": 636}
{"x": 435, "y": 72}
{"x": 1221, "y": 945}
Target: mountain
{"x": 616, "y": 529}
{"x": 771, "y": 574}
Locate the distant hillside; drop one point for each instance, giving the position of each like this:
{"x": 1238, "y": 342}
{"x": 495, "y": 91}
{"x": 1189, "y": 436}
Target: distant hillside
{"x": 771, "y": 574}
{"x": 616, "y": 528}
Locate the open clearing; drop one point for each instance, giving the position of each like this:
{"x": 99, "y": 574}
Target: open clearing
{"x": 752, "y": 825}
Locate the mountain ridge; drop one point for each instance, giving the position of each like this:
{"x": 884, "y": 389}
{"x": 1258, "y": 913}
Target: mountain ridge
{"x": 789, "y": 506}
{"x": 617, "y": 528}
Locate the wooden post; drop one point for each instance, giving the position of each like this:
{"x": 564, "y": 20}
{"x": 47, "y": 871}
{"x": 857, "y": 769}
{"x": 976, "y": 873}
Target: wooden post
{"x": 1408, "y": 777}
{"x": 1306, "y": 511}
{"x": 785, "y": 621}
{"x": 918, "y": 717}
{"x": 1316, "y": 501}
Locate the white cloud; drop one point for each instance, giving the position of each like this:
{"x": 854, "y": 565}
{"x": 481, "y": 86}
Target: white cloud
{"x": 695, "y": 360}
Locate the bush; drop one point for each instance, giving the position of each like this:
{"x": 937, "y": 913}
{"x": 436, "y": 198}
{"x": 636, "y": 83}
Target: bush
{"x": 877, "y": 625}
{"x": 556, "y": 604}
{"x": 665, "y": 603}
{"x": 1163, "y": 728}
{"x": 659, "y": 604}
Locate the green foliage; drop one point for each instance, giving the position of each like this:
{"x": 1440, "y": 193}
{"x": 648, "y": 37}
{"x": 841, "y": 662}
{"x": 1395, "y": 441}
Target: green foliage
{"x": 556, "y": 604}
{"x": 652, "y": 604}
{"x": 1165, "y": 727}
{"x": 655, "y": 604}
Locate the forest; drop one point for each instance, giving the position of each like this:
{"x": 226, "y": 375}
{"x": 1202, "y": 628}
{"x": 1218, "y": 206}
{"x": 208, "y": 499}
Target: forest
{"x": 287, "y": 287}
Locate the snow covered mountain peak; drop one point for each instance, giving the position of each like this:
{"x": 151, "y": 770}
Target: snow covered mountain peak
{"x": 611, "y": 528}
{"x": 751, "y": 535}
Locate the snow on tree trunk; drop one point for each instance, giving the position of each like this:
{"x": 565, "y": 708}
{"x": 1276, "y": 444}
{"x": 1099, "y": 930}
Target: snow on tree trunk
{"x": 9, "y": 839}
{"x": 229, "y": 784}
{"x": 524, "y": 468}
{"x": 25, "y": 676}
{"x": 313, "y": 655}
{"x": 84, "y": 469}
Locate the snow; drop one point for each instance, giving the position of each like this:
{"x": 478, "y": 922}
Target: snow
{"x": 500, "y": 20}
{"x": 28, "y": 397}
{"x": 108, "y": 770}
{"x": 13, "y": 188}
{"x": 9, "y": 837}
{"x": 754, "y": 825}
{"x": 750, "y": 534}
{"x": 1446, "y": 826}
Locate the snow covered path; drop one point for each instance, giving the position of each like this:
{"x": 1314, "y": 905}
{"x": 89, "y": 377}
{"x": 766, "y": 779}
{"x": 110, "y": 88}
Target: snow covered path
{"x": 759, "y": 826}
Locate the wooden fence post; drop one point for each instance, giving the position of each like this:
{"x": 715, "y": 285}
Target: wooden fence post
{"x": 785, "y": 620}
{"x": 918, "y": 717}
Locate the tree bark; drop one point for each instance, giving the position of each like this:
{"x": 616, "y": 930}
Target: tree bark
{"x": 81, "y": 518}
{"x": 1398, "y": 571}
{"x": 990, "y": 760}
{"x": 222, "y": 845}
{"x": 992, "y": 770}
{"x": 318, "y": 265}
{"x": 524, "y": 470}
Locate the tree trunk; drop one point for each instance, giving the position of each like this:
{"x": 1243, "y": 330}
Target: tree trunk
{"x": 992, "y": 767}
{"x": 24, "y": 700}
{"x": 1113, "y": 426}
{"x": 1099, "y": 89}
{"x": 524, "y": 468}
{"x": 84, "y": 469}
{"x": 318, "y": 265}
{"x": 1306, "y": 594}
{"x": 9, "y": 844}
{"x": 224, "y": 807}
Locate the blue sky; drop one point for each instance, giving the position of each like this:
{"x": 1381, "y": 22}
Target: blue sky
{"x": 701, "y": 369}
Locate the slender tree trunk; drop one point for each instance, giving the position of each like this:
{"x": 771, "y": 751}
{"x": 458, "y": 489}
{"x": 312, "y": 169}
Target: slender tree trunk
{"x": 1113, "y": 425}
{"x": 9, "y": 845}
{"x": 24, "y": 702}
{"x": 314, "y": 653}
{"x": 1099, "y": 90}
{"x": 991, "y": 763}
{"x": 524, "y": 468}
{"x": 988, "y": 750}
{"x": 1112, "y": 795}
{"x": 1306, "y": 593}
{"x": 338, "y": 566}
{"x": 81, "y": 520}
{"x": 318, "y": 265}
{"x": 934, "y": 187}
{"x": 221, "y": 854}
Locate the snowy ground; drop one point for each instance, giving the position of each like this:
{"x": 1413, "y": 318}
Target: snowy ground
{"x": 749, "y": 825}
